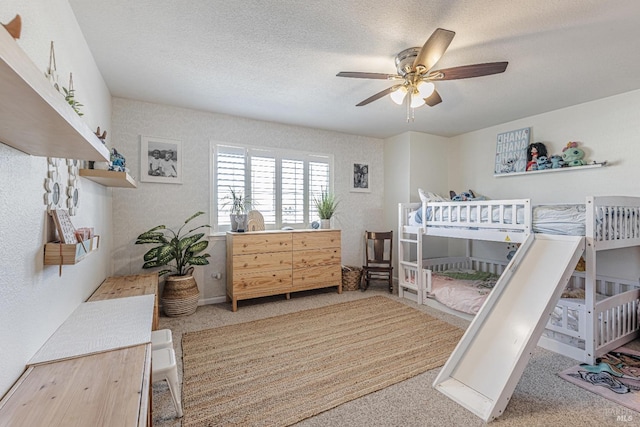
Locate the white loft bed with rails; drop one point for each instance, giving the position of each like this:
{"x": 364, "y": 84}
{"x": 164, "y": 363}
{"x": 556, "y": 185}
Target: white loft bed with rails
{"x": 583, "y": 328}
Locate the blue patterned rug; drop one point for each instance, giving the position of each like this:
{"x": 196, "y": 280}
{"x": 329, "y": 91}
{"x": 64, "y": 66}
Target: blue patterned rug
{"x": 615, "y": 376}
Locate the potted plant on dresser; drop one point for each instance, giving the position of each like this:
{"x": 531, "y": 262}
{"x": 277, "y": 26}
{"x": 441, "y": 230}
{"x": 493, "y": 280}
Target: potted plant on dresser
{"x": 326, "y": 204}
{"x": 239, "y": 205}
{"x": 180, "y": 252}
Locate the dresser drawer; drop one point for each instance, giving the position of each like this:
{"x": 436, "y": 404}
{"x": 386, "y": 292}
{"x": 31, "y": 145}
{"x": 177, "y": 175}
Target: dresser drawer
{"x": 313, "y": 277}
{"x": 250, "y": 263}
{"x": 249, "y": 243}
{"x": 261, "y": 283}
{"x": 314, "y": 257}
{"x": 316, "y": 240}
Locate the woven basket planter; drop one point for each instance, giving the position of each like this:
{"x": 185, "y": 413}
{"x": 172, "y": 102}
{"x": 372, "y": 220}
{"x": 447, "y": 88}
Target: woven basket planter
{"x": 351, "y": 278}
{"x": 180, "y": 296}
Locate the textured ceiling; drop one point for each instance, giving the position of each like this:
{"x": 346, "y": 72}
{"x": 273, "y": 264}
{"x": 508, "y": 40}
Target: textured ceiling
{"x": 277, "y": 60}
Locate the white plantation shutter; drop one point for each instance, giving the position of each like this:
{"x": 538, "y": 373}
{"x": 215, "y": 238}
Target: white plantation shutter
{"x": 230, "y": 167}
{"x": 318, "y": 182}
{"x": 280, "y": 184}
{"x": 263, "y": 187}
{"x": 292, "y": 191}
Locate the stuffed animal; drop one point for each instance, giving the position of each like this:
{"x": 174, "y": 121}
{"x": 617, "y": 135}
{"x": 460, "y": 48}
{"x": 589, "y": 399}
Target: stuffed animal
{"x": 543, "y": 163}
{"x": 465, "y": 196}
{"x": 556, "y": 161}
{"x": 573, "y": 156}
{"x": 118, "y": 162}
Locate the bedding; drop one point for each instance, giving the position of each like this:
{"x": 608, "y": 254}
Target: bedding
{"x": 462, "y": 290}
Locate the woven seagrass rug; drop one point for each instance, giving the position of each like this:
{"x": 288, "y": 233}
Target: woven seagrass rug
{"x": 281, "y": 370}
{"x": 615, "y": 376}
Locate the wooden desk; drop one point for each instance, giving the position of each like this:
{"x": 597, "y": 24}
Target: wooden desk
{"x": 129, "y": 286}
{"x": 109, "y": 388}
{"x": 105, "y": 389}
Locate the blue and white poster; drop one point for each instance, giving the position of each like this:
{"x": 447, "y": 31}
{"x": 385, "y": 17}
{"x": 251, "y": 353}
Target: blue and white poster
{"x": 511, "y": 151}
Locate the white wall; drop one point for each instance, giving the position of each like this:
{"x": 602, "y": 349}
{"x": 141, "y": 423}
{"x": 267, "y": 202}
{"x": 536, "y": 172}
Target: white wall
{"x": 34, "y": 301}
{"x": 607, "y": 129}
{"x": 152, "y": 204}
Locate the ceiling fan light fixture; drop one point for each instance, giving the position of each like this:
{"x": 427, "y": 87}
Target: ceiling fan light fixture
{"x": 417, "y": 100}
{"x": 398, "y": 95}
{"x": 425, "y": 89}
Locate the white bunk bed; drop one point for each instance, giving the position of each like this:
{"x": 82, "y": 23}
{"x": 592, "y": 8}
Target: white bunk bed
{"x": 583, "y": 329}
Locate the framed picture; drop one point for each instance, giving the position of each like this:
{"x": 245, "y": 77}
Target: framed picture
{"x": 511, "y": 151}
{"x": 160, "y": 160}
{"x": 361, "y": 178}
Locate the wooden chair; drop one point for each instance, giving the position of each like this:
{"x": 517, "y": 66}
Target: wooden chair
{"x": 378, "y": 258}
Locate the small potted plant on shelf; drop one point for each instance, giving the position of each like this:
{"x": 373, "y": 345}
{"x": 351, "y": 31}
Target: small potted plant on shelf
{"x": 180, "y": 252}
{"x": 326, "y": 204}
{"x": 239, "y": 205}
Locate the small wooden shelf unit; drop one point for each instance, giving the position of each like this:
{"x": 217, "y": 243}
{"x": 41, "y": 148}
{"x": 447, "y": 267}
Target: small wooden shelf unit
{"x": 109, "y": 178}
{"x": 265, "y": 263}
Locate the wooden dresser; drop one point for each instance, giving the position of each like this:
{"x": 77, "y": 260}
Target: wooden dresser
{"x": 96, "y": 379}
{"x": 264, "y": 263}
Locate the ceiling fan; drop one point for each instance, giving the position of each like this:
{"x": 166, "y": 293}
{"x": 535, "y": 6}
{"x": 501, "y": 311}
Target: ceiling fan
{"x": 415, "y": 77}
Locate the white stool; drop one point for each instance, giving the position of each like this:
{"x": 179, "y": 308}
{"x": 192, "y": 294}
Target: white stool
{"x": 164, "y": 367}
{"x": 161, "y": 339}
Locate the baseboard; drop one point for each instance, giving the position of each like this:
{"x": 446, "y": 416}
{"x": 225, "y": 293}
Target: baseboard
{"x": 214, "y": 300}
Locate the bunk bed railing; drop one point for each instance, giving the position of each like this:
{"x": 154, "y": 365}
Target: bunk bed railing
{"x": 618, "y": 320}
{"x": 485, "y": 214}
{"x": 613, "y": 222}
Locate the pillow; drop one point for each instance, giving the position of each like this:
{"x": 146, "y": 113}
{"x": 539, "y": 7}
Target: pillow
{"x": 426, "y": 197}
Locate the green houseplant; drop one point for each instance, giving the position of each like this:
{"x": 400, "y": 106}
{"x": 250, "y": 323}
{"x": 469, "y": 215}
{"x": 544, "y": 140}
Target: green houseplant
{"x": 326, "y": 204}
{"x": 180, "y": 252}
{"x": 239, "y": 205}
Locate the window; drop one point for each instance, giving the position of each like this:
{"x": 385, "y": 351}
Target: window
{"x": 280, "y": 184}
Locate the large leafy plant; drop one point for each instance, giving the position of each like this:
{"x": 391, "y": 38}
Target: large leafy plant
{"x": 182, "y": 249}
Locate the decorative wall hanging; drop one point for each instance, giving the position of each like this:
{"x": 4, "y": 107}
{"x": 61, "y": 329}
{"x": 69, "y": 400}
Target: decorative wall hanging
{"x": 511, "y": 151}
{"x": 53, "y": 185}
{"x": 361, "y": 181}
{"x": 14, "y": 28}
{"x": 73, "y": 190}
{"x": 52, "y": 69}
{"x": 70, "y": 96}
{"x": 160, "y": 160}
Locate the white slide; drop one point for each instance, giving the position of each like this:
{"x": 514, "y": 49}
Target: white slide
{"x": 487, "y": 363}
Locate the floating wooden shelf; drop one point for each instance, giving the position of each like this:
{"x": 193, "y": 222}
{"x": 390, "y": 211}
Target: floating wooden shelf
{"x": 109, "y": 178}
{"x": 34, "y": 117}
{"x": 56, "y": 253}
{"x": 572, "y": 168}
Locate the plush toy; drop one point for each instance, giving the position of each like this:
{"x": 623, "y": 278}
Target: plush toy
{"x": 543, "y": 163}
{"x": 572, "y": 155}
{"x": 465, "y": 196}
{"x": 118, "y": 162}
{"x": 556, "y": 161}
{"x": 535, "y": 150}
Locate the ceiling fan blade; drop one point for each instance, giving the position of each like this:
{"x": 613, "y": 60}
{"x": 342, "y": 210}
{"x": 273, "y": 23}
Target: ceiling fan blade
{"x": 359, "y": 75}
{"x": 468, "y": 71}
{"x": 433, "y": 99}
{"x": 378, "y": 95}
{"x": 433, "y": 50}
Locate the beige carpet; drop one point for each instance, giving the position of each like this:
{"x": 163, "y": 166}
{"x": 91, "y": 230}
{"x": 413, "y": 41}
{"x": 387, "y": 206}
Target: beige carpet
{"x": 281, "y": 370}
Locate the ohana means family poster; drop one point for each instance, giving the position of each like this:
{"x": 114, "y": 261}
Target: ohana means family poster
{"x": 511, "y": 151}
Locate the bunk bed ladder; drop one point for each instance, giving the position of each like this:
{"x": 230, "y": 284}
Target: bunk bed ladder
{"x": 409, "y": 260}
